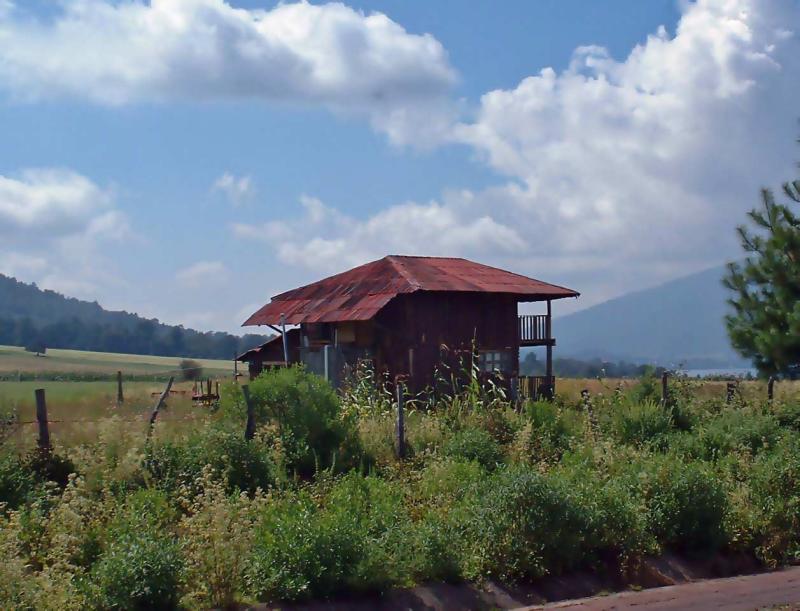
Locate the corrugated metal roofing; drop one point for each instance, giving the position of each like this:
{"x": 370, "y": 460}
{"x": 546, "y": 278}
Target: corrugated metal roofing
{"x": 358, "y": 294}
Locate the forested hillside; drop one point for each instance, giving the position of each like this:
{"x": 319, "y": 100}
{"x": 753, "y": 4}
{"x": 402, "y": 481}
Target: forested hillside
{"x": 30, "y": 316}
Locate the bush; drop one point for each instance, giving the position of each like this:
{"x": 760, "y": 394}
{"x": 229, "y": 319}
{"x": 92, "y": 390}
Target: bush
{"x": 517, "y": 524}
{"x": 190, "y": 370}
{"x": 474, "y": 444}
{"x": 141, "y": 564}
{"x": 447, "y": 480}
{"x": 775, "y": 488}
{"x": 303, "y": 551}
{"x": 217, "y": 541}
{"x": 312, "y": 429}
{"x": 788, "y": 415}
{"x": 139, "y": 571}
{"x": 48, "y": 466}
{"x": 239, "y": 464}
{"x": 737, "y": 429}
{"x": 638, "y": 423}
{"x": 685, "y": 502}
{"x": 16, "y": 480}
{"x": 549, "y": 431}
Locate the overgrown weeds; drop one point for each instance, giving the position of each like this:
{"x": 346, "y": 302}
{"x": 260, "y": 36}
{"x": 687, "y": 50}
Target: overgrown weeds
{"x": 318, "y": 503}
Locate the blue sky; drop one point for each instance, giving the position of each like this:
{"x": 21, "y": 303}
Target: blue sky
{"x": 177, "y": 159}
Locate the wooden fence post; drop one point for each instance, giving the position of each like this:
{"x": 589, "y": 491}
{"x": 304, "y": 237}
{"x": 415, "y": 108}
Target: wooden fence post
{"x": 400, "y": 429}
{"x": 664, "y": 388}
{"x": 41, "y": 417}
{"x": 216, "y": 389}
{"x": 771, "y": 388}
{"x": 730, "y": 391}
{"x": 157, "y": 407}
{"x": 208, "y": 389}
{"x": 250, "y": 427}
{"x": 120, "y": 398}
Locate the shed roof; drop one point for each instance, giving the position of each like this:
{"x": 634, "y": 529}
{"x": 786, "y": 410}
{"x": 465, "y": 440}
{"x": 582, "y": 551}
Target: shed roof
{"x": 292, "y": 337}
{"x": 358, "y": 294}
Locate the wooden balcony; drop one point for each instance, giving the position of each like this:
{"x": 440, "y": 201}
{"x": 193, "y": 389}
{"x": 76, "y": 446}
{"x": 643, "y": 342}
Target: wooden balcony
{"x": 535, "y": 330}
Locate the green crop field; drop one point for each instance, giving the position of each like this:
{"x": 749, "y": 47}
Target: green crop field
{"x": 15, "y": 359}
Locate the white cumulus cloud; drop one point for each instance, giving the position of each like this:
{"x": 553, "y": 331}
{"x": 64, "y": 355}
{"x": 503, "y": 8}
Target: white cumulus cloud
{"x": 236, "y": 188}
{"x": 619, "y": 173}
{"x": 56, "y": 226}
{"x": 330, "y": 55}
{"x": 203, "y": 273}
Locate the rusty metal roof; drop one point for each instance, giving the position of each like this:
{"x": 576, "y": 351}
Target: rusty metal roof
{"x": 292, "y": 337}
{"x": 358, "y": 294}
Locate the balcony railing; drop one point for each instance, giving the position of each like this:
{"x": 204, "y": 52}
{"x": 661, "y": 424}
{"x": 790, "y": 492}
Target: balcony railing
{"x": 534, "y": 329}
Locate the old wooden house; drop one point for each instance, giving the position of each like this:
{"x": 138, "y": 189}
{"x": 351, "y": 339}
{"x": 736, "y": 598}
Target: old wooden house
{"x": 409, "y": 316}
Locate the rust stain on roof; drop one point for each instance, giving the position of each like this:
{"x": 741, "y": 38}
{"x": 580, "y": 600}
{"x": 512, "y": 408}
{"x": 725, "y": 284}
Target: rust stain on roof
{"x": 360, "y": 293}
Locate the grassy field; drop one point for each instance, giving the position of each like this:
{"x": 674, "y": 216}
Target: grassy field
{"x": 78, "y": 410}
{"x": 15, "y": 359}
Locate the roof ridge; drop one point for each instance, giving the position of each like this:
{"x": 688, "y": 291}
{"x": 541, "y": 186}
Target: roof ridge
{"x": 398, "y": 267}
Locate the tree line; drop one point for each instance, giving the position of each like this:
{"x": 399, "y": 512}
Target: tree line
{"x": 34, "y": 318}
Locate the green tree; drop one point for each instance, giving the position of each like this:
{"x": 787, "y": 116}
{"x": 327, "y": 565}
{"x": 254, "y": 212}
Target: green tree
{"x": 764, "y": 325}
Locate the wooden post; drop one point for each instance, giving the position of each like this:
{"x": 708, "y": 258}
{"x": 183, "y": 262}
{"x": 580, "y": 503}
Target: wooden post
{"x": 235, "y": 368}
{"x": 158, "y": 406}
{"x": 41, "y": 417}
{"x": 550, "y": 382}
{"x": 285, "y": 341}
{"x": 771, "y": 388}
{"x": 730, "y": 391}
{"x": 250, "y": 427}
{"x": 515, "y": 392}
{"x": 664, "y": 388}
{"x": 208, "y": 388}
{"x": 216, "y": 389}
{"x": 400, "y": 429}
{"x": 120, "y": 399}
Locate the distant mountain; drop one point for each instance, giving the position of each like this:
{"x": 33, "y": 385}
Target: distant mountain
{"x": 31, "y": 316}
{"x": 678, "y": 322}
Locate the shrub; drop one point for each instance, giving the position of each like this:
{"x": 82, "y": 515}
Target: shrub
{"x": 548, "y": 432}
{"x": 297, "y": 553}
{"x": 303, "y": 551}
{"x": 775, "y": 488}
{"x": 16, "y": 480}
{"x": 49, "y": 466}
{"x": 474, "y": 444}
{"x": 517, "y": 524}
{"x": 190, "y": 370}
{"x": 241, "y": 465}
{"x": 646, "y": 389}
{"x": 447, "y": 480}
{"x": 217, "y": 540}
{"x": 312, "y": 429}
{"x": 376, "y": 432}
{"x": 737, "y": 429}
{"x": 639, "y": 422}
{"x": 141, "y": 564}
{"x": 685, "y": 502}
{"x": 788, "y": 414}
{"x": 139, "y": 571}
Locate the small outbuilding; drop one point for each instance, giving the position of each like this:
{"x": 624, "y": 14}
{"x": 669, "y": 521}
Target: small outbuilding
{"x": 409, "y": 316}
{"x": 271, "y": 353}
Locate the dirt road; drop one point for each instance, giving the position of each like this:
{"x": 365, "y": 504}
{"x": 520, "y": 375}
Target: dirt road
{"x": 780, "y": 589}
